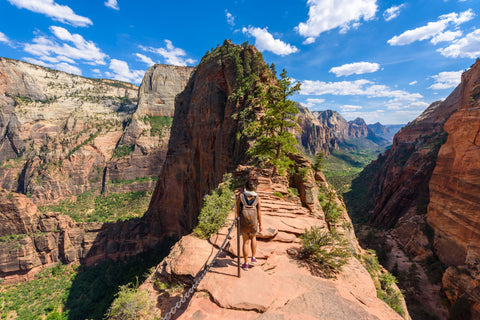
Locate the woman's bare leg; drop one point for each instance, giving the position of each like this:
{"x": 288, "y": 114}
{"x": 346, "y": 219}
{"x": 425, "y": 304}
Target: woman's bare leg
{"x": 245, "y": 247}
{"x": 254, "y": 246}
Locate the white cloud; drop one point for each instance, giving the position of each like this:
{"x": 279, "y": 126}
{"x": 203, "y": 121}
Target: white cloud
{"x": 446, "y": 36}
{"x": 446, "y": 80}
{"x": 172, "y": 55}
{"x": 122, "y": 72}
{"x": 360, "y": 87}
{"x": 4, "y": 38}
{"x": 97, "y": 71}
{"x": 392, "y": 12}
{"x": 328, "y": 15}
{"x": 70, "y": 47}
{"x": 466, "y": 47}
{"x": 230, "y": 18}
{"x": 432, "y": 29}
{"x": 264, "y": 41}
{"x": 347, "y": 108}
{"x": 53, "y": 10}
{"x": 145, "y": 59}
{"x": 313, "y": 103}
{"x": 355, "y": 68}
{"x": 413, "y": 82}
{"x": 62, "y": 66}
{"x": 112, "y": 4}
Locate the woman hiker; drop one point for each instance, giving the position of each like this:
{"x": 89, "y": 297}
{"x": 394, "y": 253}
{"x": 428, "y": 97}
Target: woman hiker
{"x": 248, "y": 209}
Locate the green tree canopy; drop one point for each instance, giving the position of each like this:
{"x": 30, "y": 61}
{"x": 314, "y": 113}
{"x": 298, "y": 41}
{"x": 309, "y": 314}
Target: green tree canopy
{"x": 274, "y": 139}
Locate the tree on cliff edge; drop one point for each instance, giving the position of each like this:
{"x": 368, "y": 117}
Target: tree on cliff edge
{"x": 274, "y": 141}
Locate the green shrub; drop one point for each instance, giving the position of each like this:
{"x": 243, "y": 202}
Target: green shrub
{"x": 303, "y": 172}
{"x": 158, "y": 124}
{"x": 213, "y": 214}
{"x": 293, "y": 192}
{"x": 326, "y": 251}
{"x": 103, "y": 208}
{"x": 278, "y": 194}
{"x": 122, "y": 151}
{"x": 319, "y": 161}
{"x": 129, "y": 303}
{"x": 332, "y": 211}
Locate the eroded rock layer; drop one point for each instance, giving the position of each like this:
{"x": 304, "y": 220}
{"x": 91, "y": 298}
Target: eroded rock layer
{"x": 62, "y": 134}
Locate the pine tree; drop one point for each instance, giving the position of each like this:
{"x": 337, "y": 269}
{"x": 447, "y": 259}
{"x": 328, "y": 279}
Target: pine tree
{"x": 274, "y": 141}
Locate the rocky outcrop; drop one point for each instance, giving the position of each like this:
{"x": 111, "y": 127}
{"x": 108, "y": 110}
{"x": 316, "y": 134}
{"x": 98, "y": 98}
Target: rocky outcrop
{"x": 203, "y": 144}
{"x": 358, "y": 128}
{"x": 61, "y": 134}
{"x": 334, "y": 121}
{"x": 158, "y": 90}
{"x": 315, "y": 136}
{"x": 285, "y": 287}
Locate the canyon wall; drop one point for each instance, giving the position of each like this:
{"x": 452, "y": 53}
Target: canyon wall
{"x": 62, "y": 134}
{"x": 424, "y": 190}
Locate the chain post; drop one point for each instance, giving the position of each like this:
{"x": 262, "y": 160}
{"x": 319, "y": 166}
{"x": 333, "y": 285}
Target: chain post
{"x": 187, "y": 294}
{"x": 237, "y": 219}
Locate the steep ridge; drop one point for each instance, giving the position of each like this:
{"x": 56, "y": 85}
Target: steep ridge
{"x": 280, "y": 286}
{"x": 62, "y": 134}
{"x": 424, "y": 192}
{"x": 203, "y": 144}
{"x": 455, "y": 196}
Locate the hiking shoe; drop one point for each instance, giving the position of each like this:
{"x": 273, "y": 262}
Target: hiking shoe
{"x": 245, "y": 266}
{"x": 254, "y": 260}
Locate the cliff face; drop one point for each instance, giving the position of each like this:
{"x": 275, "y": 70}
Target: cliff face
{"x": 159, "y": 87}
{"x": 401, "y": 177}
{"x": 455, "y": 195}
{"x": 425, "y": 189}
{"x": 358, "y": 128}
{"x": 203, "y": 144}
{"x": 315, "y": 136}
{"x": 352, "y": 134}
{"x": 334, "y": 121}
{"x": 61, "y": 134}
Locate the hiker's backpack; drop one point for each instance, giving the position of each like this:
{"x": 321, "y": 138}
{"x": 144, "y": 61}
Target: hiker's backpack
{"x": 248, "y": 215}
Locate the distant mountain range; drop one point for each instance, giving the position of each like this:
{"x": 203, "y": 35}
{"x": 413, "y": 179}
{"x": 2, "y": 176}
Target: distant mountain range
{"x": 356, "y": 133}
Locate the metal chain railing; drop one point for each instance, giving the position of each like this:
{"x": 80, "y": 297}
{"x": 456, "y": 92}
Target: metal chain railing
{"x": 187, "y": 294}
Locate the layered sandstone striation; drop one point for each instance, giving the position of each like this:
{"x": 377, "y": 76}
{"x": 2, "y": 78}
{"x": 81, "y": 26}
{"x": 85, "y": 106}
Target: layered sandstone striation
{"x": 62, "y": 134}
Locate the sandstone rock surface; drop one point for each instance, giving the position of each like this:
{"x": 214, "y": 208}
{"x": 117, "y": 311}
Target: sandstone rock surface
{"x": 279, "y": 286}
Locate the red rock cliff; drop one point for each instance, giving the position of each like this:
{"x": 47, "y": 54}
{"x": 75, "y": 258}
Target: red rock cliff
{"x": 203, "y": 145}
{"x": 454, "y": 206}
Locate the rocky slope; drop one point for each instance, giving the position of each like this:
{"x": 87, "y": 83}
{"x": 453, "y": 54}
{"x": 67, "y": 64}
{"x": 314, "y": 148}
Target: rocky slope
{"x": 424, "y": 190}
{"x": 62, "y": 134}
{"x": 280, "y": 286}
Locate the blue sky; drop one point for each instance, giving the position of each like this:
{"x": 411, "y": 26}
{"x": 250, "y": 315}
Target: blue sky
{"x": 381, "y": 60}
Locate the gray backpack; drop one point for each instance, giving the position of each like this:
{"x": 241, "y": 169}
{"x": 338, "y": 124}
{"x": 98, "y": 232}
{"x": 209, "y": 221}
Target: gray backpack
{"x": 248, "y": 215}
